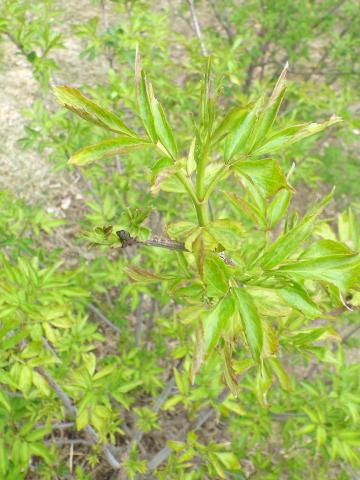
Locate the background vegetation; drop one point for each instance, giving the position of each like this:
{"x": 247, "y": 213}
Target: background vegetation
{"x": 94, "y": 368}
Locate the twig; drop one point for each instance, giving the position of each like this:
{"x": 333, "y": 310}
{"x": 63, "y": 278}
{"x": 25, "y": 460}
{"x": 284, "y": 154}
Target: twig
{"x": 222, "y": 22}
{"x": 69, "y": 407}
{"x": 350, "y": 333}
{"x": 104, "y": 319}
{"x": 203, "y": 417}
{"x": 168, "y": 390}
{"x": 17, "y": 44}
{"x": 127, "y": 240}
{"x": 58, "y": 426}
{"x": 197, "y": 28}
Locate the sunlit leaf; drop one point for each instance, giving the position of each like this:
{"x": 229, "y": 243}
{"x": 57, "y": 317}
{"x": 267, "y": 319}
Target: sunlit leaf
{"x": 73, "y": 100}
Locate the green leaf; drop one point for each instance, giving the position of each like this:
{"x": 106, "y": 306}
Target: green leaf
{"x": 266, "y": 174}
{"x": 234, "y": 117}
{"x": 72, "y": 99}
{"x": 288, "y": 242}
{"x": 107, "y": 148}
{"x": 38, "y": 434}
{"x": 280, "y": 373}
{"x": 263, "y": 383}
{"x": 42, "y": 451}
{"x": 293, "y": 134}
{"x": 180, "y": 230}
{"x": 227, "y": 233}
{"x": 25, "y": 378}
{"x": 236, "y": 140}
{"x": 354, "y": 229}
{"x": 269, "y": 114}
{"x": 251, "y": 321}
{"x": 215, "y": 275}
{"x": 142, "y": 88}
{"x": 163, "y": 129}
{"x": 302, "y": 338}
{"x": 298, "y": 298}
{"x": 323, "y": 248}
{"x": 247, "y": 209}
{"x": 277, "y": 207}
{"x": 206, "y": 113}
{"x": 215, "y": 322}
{"x": 4, "y": 400}
{"x": 343, "y": 271}
{"x": 4, "y": 461}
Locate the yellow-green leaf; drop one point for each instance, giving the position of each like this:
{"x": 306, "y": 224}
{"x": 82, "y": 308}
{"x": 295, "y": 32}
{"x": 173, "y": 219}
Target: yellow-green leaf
{"x": 107, "y": 148}
{"x": 227, "y": 233}
{"x": 74, "y": 100}
{"x": 250, "y": 320}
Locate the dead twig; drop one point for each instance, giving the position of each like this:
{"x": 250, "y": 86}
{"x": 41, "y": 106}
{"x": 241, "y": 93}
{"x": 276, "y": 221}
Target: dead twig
{"x": 197, "y": 28}
{"x": 102, "y": 317}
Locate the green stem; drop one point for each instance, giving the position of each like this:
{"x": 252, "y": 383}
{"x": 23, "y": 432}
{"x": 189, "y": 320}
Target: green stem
{"x": 188, "y": 187}
{"x": 221, "y": 174}
{"x": 202, "y": 210}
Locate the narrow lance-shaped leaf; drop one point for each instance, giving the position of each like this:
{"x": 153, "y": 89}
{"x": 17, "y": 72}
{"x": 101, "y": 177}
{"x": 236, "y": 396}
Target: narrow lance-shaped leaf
{"x": 205, "y": 93}
{"x": 340, "y": 270}
{"x": 251, "y": 321}
{"x": 298, "y": 298}
{"x": 144, "y": 102}
{"x": 280, "y": 373}
{"x": 163, "y": 128}
{"x": 107, "y": 148}
{"x": 287, "y": 243}
{"x": 293, "y": 134}
{"x": 270, "y": 112}
{"x": 73, "y": 100}
{"x": 278, "y": 207}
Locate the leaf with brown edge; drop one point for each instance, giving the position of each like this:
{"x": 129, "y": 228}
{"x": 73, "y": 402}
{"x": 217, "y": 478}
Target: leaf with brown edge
{"x": 228, "y": 369}
{"x": 281, "y": 374}
{"x": 141, "y": 275}
{"x": 199, "y": 353}
{"x": 72, "y": 99}
{"x": 107, "y": 148}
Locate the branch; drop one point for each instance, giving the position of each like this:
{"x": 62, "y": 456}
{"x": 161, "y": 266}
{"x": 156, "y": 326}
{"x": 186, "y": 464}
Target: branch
{"x": 127, "y": 240}
{"x": 197, "y": 28}
{"x": 103, "y": 318}
{"x": 160, "y": 400}
{"x": 202, "y": 418}
{"x": 222, "y": 22}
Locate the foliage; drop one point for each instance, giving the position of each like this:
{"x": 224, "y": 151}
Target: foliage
{"x": 125, "y": 356}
